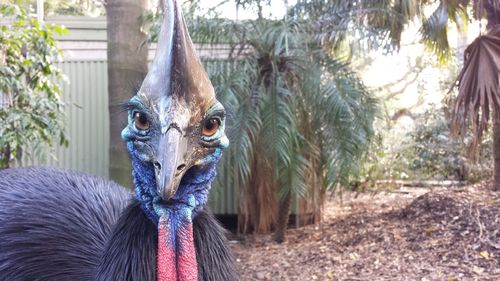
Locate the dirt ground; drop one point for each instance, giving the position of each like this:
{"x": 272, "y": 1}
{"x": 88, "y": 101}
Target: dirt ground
{"x": 446, "y": 234}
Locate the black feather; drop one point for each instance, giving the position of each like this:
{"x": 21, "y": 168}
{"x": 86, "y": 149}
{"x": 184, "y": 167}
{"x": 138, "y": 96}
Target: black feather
{"x": 54, "y": 224}
{"x": 131, "y": 251}
{"x": 214, "y": 257}
{"x": 60, "y": 225}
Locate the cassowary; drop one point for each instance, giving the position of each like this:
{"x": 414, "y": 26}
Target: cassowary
{"x": 60, "y": 225}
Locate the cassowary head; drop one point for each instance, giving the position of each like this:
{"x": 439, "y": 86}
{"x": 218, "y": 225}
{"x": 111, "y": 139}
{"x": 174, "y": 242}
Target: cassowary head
{"x": 175, "y": 130}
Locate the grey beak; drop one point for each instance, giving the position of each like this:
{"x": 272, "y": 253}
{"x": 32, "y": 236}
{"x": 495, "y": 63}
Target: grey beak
{"x": 172, "y": 163}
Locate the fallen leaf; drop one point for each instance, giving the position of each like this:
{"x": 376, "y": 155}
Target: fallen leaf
{"x": 429, "y": 229}
{"x": 485, "y": 255}
{"x": 478, "y": 270}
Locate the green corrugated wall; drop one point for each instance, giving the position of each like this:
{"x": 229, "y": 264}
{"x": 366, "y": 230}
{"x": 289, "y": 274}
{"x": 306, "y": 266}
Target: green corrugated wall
{"x": 88, "y": 118}
{"x": 85, "y": 95}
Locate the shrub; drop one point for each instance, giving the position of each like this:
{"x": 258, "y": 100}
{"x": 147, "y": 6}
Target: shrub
{"x": 31, "y": 108}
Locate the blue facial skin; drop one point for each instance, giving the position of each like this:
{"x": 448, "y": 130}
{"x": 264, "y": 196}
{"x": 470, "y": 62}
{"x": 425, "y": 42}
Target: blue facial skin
{"x": 192, "y": 193}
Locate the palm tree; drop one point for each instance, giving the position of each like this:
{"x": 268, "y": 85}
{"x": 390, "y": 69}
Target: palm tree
{"x": 478, "y": 100}
{"x": 301, "y": 118}
{"x": 127, "y": 67}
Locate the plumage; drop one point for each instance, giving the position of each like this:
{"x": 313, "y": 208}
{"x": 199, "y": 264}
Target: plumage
{"x": 103, "y": 233}
{"x": 54, "y": 223}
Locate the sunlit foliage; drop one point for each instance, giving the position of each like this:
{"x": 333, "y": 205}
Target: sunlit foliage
{"x": 31, "y": 109}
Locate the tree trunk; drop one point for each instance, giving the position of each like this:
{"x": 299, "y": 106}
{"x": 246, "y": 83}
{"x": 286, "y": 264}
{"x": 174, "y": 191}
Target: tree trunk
{"x": 496, "y": 153}
{"x": 283, "y": 218}
{"x": 493, "y": 15}
{"x": 5, "y": 157}
{"x": 127, "y": 67}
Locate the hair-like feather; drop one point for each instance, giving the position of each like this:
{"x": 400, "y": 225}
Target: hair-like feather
{"x": 215, "y": 259}
{"x": 54, "y": 224}
{"x": 61, "y": 225}
{"x": 130, "y": 253}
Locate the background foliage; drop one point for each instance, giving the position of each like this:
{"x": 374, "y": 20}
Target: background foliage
{"x": 425, "y": 152}
{"x": 440, "y": 156}
{"x": 92, "y": 8}
{"x": 31, "y": 110}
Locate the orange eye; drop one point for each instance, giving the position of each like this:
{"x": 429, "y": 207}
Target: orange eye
{"x": 210, "y": 127}
{"x": 141, "y": 121}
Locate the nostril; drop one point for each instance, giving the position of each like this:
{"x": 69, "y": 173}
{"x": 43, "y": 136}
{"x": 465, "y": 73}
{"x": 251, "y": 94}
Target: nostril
{"x": 181, "y": 167}
{"x": 157, "y": 166}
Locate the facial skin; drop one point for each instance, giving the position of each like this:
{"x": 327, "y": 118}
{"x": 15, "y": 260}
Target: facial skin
{"x": 173, "y": 147}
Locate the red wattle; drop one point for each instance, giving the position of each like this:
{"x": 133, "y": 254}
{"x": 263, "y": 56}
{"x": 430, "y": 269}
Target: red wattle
{"x": 167, "y": 270}
{"x": 180, "y": 264}
{"x": 187, "y": 267}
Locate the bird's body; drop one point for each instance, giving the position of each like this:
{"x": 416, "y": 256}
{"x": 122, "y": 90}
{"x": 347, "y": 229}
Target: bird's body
{"x": 59, "y": 225}
{"x": 105, "y": 235}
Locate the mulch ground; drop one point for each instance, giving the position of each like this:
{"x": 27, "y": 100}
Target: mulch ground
{"x": 447, "y": 234}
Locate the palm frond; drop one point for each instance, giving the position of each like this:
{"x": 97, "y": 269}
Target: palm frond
{"x": 434, "y": 29}
{"x": 478, "y": 87}
{"x": 349, "y": 111}
{"x": 244, "y": 121}
{"x": 368, "y": 24}
{"x": 294, "y": 176}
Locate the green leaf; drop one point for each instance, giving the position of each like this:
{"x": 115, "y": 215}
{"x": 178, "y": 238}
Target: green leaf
{"x": 35, "y": 112}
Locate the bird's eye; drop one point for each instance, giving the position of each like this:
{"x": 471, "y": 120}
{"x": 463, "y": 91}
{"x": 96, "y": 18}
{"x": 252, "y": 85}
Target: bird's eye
{"x": 210, "y": 127}
{"x": 141, "y": 121}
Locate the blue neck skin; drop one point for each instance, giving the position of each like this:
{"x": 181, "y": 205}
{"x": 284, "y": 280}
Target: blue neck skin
{"x": 190, "y": 197}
